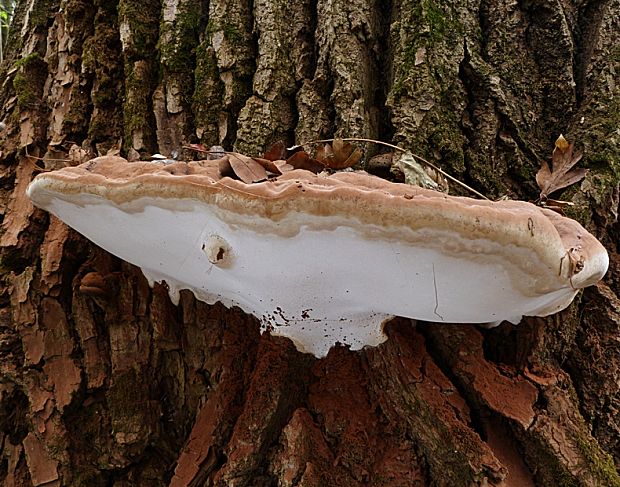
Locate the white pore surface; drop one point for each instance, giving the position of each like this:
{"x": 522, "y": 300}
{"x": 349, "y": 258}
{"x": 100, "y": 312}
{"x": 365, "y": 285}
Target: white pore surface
{"x": 318, "y": 286}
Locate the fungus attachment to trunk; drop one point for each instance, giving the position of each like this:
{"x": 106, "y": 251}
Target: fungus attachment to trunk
{"x": 326, "y": 258}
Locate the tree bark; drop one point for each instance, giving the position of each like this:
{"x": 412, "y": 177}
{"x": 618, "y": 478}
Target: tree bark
{"x": 105, "y": 382}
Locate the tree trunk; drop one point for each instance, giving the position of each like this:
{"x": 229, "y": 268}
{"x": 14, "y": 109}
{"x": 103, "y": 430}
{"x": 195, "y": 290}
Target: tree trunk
{"x": 111, "y": 384}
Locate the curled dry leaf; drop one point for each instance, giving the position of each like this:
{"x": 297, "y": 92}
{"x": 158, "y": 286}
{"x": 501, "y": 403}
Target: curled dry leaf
{"x": 324, "y": 153}
{"x": 301, "y": 160}
{"x": 269, "y": 165}
{"x": 245, "y": 168}
{"x": 225, "y": 168}
{"x": 442, "y": 182}
{"x": 77, "y": 155}
{"x": 283, "y": 166}
{"x": 558, "y": 206}
{"x": 561, "y": 174}
{"x": 417, "y": 175}
{"x": 339, "y": 154}
{"x": 276, "y": 152}
{"x": 196, "y": 147}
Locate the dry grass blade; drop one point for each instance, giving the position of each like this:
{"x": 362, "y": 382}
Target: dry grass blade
{"x": 213, "y": 153}
{"x": 196, "y": 147}
{"x": 400, "y": 149}
{"x": 561, "y": 174}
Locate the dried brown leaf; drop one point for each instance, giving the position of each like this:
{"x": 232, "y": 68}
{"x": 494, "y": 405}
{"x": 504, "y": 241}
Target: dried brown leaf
{"x": 301, "y": 160}
{"x": 78, "y": 156}
{"x": 345, "y": 154}
{"x": 558, "y": 206}
{"x": 269, "y": 165}
{"x": 339, "y": 147}
{"x": 196, "y": 147}
{"x": 276, "y": 151}
{"x": 246, "y": 168}
{"x": 283, "y": 166}
{"x": 543, "y": 175}
{"x": 324, "y": 154}
{"x": 352, "y": 160}
{"x": 414, "y": 173}
{"x": 561, "y": 174}
{"x": 442, "y": 182}
{"x": 339, "y": 154}
{"x": 225, "y": 167}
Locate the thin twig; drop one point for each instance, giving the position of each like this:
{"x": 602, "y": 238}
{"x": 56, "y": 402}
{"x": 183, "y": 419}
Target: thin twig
{"x": 206, "y": 151}
{"x": 43, "y": 159}
{"x": 37, "y": 168}
{"x": 430, "y": 164}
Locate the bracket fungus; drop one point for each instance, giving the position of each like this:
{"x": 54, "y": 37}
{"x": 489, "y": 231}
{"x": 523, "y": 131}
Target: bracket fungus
{"x": 326, "y": 258}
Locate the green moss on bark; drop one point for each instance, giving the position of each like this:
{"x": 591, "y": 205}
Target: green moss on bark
{"x": 433, "y": 25}
{"x": 207, "y": 97}
{"x": 595, "y": 131}
{"x": 427, "y": 97}
{"x": 101, "y": 61}
{"x": 600, "y": 464}
{"x": 139, "y": 25}
{"x": 40, "y": 13}
{"x": 178, "y": 39}
{"x": 231, "y": 32}
{"x": 26, "y": 97}
{"x": 76, "y": 119}
{"x": 136, "y": 111}
{"x": 141, "y": 20}
{"x": 28, "y": 81}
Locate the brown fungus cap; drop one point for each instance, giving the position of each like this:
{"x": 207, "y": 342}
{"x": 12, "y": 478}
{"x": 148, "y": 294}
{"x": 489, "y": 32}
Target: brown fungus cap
{"x": 444, "y": 257}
